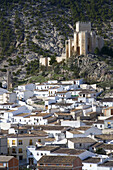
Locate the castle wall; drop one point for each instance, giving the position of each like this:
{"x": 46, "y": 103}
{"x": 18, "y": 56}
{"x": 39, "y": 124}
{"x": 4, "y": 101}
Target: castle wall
{"x": 59, "y": 59}
{"x": 44, "y": 61}
{"x": 100, "y": 43}
{"x": 93, "y": 41}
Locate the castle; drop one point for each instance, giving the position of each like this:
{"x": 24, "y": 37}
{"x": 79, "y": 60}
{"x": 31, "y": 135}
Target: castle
{"x": 85, "y": 41}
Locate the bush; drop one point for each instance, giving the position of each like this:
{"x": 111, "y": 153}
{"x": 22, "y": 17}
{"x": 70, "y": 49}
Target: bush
{"x": 96, "y": 51}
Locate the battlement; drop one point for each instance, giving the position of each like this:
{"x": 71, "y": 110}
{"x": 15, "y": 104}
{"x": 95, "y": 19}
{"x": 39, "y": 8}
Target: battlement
{"x": 83, "y": 26}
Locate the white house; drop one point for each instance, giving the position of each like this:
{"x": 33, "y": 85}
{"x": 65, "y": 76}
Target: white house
{"x": 40, "y": 118}
{"x": 82, "y": 132}
{"x": 47, "y": 85}
{"x": 72, "y": 123}
{"x": 3, "y": 145}
{"x": 54, "y": 90}
{"x": 107, "y": 102}
{"x": 108, "y": 165}
{"x": 35, "y": 153}
{"x": 57, "y": 132}
{"x": 24, "y": 95}
{"x": 7, "y": 97}
{"x": 99, "y": 124}
{"x": 89, "y": 130}
{"x": 80, "y": 142}
{"x": 41, "y": 93}
{"x": 7, "y": 115}
{"x": 74, "y": 81}
{"x": 92, "y": 163}
{"x": 74, "y": 134}
{"x": 24, "y": 87}
{"x": 82, "y": 154}
{"x": 19, "y": 118}
{"x": 64, "y": 94}
{"x": 8, "y": 105}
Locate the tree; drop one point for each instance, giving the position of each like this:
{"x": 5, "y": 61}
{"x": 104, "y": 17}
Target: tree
{"x": 101, "y": 151}
{"x": 53, "y": 60}
{"x": 97, "y": 52}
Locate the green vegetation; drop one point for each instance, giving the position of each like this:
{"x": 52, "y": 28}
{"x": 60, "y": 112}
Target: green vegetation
{"x": 39, "y": 78}
{"x": 32, "y": 67}
{"x": 6, "y": 36}
{"x": 91, "y": 10}
{"x": 53, "y": 60}
{"x": 16, "y": 61}
{"x": 40, "y": 103}
{"x": 107, "y": 51}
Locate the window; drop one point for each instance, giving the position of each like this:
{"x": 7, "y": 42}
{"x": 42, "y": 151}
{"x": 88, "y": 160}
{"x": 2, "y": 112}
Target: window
{"x": 4, "y": 164}
{"x": 30, "y": 142}
{"x": 101, "y": 126}
{"x": 90, "y": 165}
{"x": 20, "y": 142}
{"x": 13, "y": 150}
{"x": 37, "y": 153}
{"x": 41, "y": 154}
{"x": 20, "y": 158}
{"x": 13, "y": 142}
{"x": 95, "y": 125}
{"x": 20, "y": 150}
{"x": 80, "y": 144}
{"x": 39, "y": 140}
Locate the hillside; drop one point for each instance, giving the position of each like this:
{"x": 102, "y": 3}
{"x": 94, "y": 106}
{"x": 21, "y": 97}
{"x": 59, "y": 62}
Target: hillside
{"x": 37, "y": 28}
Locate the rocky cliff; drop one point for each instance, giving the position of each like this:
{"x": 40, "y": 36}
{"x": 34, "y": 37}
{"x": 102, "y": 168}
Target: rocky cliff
{"x": 39, "y": 28}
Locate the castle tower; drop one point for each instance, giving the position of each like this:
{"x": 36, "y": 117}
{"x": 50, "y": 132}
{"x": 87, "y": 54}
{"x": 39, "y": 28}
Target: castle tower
{"x": 75, "y": 41}
{"x": 83, "y": 43}
{"x": 83, "y": 26}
